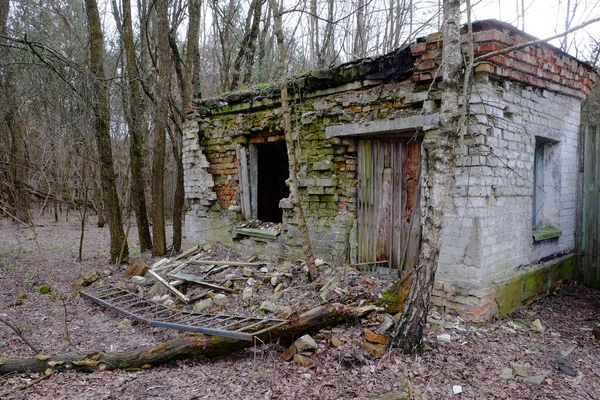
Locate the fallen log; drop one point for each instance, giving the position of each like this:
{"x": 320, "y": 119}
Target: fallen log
{"x": 186, "y": 346}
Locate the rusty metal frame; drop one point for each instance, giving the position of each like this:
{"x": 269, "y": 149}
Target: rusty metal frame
{"x": 159, "y": 315}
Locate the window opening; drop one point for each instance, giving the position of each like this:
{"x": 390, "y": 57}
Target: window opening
{"x": 546, "y": 190}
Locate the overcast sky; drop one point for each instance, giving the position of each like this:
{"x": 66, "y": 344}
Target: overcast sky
{"x": 544, "y": 18}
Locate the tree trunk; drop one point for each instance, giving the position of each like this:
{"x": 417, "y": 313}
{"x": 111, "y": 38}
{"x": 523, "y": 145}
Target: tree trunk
{"x": 440, "y": 149}
{"x": 162, "y": 96}
{"x": 313, "y": 272}
{"x": 100, "y": 104}
{"x": 136, "y": 111}
{"x": 186, "y": 346}
{"x": 360, "y": 37}
{"x": 191, "y": 47}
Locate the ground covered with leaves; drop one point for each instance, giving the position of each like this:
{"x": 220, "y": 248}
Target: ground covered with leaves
{"x": 512, "y": 358}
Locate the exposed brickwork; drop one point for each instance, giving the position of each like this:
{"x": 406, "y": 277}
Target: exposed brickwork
{"x": 542, "y": 65}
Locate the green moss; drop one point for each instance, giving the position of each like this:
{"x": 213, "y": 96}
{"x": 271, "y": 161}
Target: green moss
{"x": 394, "y": 298}
{"x": 529, "y": 287}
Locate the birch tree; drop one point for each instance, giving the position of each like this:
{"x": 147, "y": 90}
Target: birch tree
{"x": 439, "y": 148}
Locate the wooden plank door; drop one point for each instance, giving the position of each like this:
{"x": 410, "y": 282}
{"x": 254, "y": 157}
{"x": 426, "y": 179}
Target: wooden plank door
{"x": 387, "y": 195}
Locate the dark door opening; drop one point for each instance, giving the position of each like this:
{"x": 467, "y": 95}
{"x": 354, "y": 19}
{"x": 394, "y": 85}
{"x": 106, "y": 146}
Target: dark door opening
{"x": 273, "y": 170}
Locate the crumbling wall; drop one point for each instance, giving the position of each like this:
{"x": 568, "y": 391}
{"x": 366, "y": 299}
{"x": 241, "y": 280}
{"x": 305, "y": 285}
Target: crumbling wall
{"x": 327, "y": 172}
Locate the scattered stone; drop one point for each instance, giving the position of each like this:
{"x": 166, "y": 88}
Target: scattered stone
{"x": 303, "y": 361}
{"x": 444, "y": 337}
{"x": 138, "y": 280}
{"x": 202, "y": 305}
{"x": 251, "y": 282}
{"x": 287, "y": 310}
{"x": 289, "y": 353}
{"x": 534, "y": 379}
{"x": 276, "y": 295}
{"x": 247, "y": 293}
{"x": 327, "y": 292}
{"x": 374, "y": 349}
{"x": 155, "y": 299}
{"x": 211, "y": 295}
{"x": 267, "y": 306}
{"x": 387, "y": 324}
{"x": 228, "y": 284}
{"x": 567, "y": 369}
{"x": 305, "y": 343}
{"x": 264, "y": 270}
{"x": 512, "y": 325}
{"x": 456, "y": 389}
{"x": 336, "y": 341}
{"x": 220, "y": 300}
{"x": 87, "y": 279}
{"x": 125, "y": 323}
{"x": 349, "y": 360}
{"x": 169, "y": 303}
{"x": 506, "y": 374}
{"x": 279, "y": 287}
{"x": 274, "y": 280}
{"x": 158, "y": 289}
{"x": 306, "y": 376}
{"x": 376, "y": 338}
{"x": 537, "y": 326}
{"x": 319, "y": 262}
{"x": 520, "y": 369}
{"x": 247, "y": 272}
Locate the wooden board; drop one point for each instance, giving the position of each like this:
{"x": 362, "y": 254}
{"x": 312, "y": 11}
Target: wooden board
{"x": 388, "y": 207}
{"x": 244, "y": 184}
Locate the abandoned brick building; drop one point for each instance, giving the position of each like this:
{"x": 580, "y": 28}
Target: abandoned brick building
{"x": 509, "y": 231}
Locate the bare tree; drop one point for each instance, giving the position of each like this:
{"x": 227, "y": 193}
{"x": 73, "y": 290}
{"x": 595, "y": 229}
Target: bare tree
{"x": 100, "y": 105}
{"x": 162, "y": 97}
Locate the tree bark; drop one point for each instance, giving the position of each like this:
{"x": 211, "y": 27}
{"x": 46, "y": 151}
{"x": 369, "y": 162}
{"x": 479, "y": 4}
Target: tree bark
{"x": 162, "y": 97}
{"x": 136, "y": 111}
{"x": 313, "y": 272}
{"x": 100, "y": 105}
{"x": 186, "y": 346}
{"x": 440, "y": 149}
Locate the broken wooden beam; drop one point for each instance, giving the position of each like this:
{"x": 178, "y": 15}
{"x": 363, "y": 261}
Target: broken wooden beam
{"x": 187, "y": 346}
{"x": 200, "y": 281}
{"x": 176, "y": 292}
{"x": 232, "y": 263}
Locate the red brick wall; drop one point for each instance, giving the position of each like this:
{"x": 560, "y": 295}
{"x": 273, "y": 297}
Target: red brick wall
{"x": 542, "y": 65}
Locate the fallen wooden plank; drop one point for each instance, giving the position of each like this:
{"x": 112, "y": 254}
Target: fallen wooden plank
{"x": 185, "y": 263}
{"x": 159, "y": 263}
{"x": 198, "y": 279}
{"x": 176, "y": 292}
{"x": 187, "y": 253}
{"x": 232, "y": 263}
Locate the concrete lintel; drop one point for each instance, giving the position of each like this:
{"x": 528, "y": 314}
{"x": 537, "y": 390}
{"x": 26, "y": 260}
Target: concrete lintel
{"x": 382, "y": 126}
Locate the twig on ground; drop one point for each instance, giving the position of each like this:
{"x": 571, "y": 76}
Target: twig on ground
{"x": 6, "y": 320}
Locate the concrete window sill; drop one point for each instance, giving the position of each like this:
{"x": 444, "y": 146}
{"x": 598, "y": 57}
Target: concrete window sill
{"x": 259, "y": 233}
{"x": 545, "y": 234}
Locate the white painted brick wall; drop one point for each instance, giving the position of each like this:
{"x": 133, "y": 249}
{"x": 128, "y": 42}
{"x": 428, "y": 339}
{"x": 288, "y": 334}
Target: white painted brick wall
{"x": 494, "y": 184}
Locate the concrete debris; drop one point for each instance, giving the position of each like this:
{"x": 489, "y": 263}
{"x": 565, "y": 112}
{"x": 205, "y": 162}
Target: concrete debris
{"x": 387, "y": 324}
{"x": 537, "y": 326}
{"x": 267, "y": 306}
{"x": 246, "y": 271}
{"x": 247, "y": 293}
{"x": 506, "y": 374}
{"x": 305, "y": 343}
{"x": 535, "y": 379}
{"x": 456, "y": 389}
{"x": 444, "y": 337}
{"x": 202, "y": 305}
{"x": 520, "y": 369}
{"x": 220, "y": 300}
{"x": 124, "y": 324}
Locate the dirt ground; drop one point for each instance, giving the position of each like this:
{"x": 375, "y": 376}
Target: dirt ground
{"x": 458, "y": 355}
